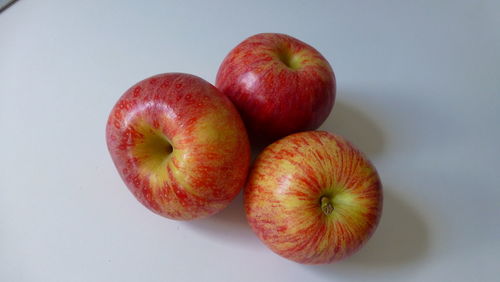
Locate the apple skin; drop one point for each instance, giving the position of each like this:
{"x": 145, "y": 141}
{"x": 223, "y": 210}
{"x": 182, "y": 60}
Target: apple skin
{"x": 179, "y": 145}
{"x": 313, "y": 198}
{"x": 279, "y": 84}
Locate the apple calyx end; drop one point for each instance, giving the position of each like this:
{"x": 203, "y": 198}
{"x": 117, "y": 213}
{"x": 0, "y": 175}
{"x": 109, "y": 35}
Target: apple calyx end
{"x": 326, "y": 205}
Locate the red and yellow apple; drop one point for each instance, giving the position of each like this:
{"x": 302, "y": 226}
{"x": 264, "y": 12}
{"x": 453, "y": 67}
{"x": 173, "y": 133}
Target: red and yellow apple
{"x": 179, "y": 145}
{"x": 313, "y": 198}
{"x": 279, "y": 84}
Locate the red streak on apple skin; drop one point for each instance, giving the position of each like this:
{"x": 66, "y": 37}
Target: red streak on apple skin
{"x": 273, "y": 99}
{"x": 284, "y": 190}
{"x": 210, "y": 158}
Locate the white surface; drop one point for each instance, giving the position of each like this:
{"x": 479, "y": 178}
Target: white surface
{"x": 419, "y": 92}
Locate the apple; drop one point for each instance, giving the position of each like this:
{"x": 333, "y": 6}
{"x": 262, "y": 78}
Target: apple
{"x": 279, "y": 84}
{"x": 313, "y": 198}
{"x": 179, "y": 145}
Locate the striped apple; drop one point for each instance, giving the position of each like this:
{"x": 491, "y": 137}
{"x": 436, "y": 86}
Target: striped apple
{"x": 279, "y": 84}
{"x": 313, "y": 198}
{"x": 179, "y": 145}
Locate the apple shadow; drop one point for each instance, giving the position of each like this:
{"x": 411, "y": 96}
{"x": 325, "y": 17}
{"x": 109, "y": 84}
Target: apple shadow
{"x": 356, "y": 126}
{"x": 256, "y": 149}
{"x": 349, "y": 122}
{"x": 7, "y": 4}
{"x": 229, "y": 225}
{"x": 401, "y": 239}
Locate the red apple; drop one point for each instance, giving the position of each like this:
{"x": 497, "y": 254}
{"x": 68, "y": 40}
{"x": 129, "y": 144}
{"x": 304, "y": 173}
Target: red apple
{"x": 179, "y": 145}
{"x": 279, "y": 84}
{"x": 313, "y": 198}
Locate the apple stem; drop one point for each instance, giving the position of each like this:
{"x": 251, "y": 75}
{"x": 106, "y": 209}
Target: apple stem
{"x": 326, "y": 205}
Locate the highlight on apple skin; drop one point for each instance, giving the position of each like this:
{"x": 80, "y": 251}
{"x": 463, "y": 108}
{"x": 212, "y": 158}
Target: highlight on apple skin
{"x": 279, "y": 84}
{"x": 313, "y": 198}
{"x": 179, "y": 145}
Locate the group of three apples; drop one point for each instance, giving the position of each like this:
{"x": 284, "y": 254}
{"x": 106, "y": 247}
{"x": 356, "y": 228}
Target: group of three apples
{"x": 182, "y": 147}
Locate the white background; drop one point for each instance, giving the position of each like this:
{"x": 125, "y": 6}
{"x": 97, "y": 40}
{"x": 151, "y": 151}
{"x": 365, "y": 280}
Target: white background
{"x": 419, "y": 92}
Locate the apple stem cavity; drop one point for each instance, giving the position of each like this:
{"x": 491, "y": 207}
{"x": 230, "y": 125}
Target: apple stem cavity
{"x": 326, "y": 205}
{"x": 288, "y": 59}
{"x": 169, "y": 149}
{"x": 154, "y": 149}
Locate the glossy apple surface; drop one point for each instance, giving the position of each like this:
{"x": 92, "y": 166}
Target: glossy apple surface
{"x": 313, "y": 198}
{"x": 279, "y": 84}
{"x": 179, "y": 145}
